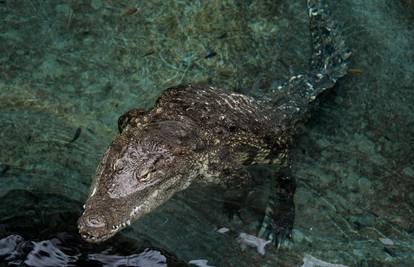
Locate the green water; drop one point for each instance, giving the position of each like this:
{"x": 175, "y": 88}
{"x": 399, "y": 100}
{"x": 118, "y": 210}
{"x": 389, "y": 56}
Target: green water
{"x": 70, "y": 67}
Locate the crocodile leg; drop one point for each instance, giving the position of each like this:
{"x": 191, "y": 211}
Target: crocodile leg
{"x": 279, "y": 215}
{"x": 130, "y": 118}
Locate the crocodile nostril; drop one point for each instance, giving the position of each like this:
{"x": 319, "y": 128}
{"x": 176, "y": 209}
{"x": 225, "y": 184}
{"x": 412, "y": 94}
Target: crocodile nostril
{"x": 95, "y": 221}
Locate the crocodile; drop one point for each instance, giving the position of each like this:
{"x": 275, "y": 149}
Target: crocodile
{"x": 197, "y": 133}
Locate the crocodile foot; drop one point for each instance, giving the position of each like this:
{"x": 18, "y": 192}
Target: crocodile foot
{"x": 279, "y": 216}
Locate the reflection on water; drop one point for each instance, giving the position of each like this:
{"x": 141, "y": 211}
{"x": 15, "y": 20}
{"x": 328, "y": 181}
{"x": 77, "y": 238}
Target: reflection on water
{"x": 47, "y": 253}
{"x": 9, "y": 249}
{"x": 66, "y": 250}
{"x": 146, "y": 258}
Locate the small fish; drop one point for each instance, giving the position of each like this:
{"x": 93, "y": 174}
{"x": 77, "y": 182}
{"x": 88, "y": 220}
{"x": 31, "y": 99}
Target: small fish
{"x": 355, "y": 71}
{"x": 222, "y": 36}
{"x": 130, "y": 11}
{"x": 390, "y": 251}
{"x": 76, "y": 136}
{"x": 211, "y": 54}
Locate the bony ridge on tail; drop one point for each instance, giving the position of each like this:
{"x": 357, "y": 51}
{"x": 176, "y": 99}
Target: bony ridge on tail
{"x": 201, "y": 134}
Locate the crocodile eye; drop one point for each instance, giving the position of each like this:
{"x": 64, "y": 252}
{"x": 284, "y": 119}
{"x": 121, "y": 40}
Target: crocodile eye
{"x": 118, "y": 167}
{"x": 144, "y": 176}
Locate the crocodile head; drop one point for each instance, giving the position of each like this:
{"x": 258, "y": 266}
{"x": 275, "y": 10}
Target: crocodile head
{"x": 140, "y": 170}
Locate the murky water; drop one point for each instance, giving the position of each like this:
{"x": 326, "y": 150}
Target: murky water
{"x": 69, "y": 69}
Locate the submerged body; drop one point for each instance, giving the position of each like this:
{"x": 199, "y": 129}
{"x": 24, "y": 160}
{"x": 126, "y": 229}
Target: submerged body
{"x": 194, "y": 133}
{"x": 197, "y": 133}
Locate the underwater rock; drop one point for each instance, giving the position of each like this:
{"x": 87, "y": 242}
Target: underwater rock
{"x": 386, "y": 241}
{"x": 310, "y": 261}
{"x": 253, "y": 241}
{"x": 223, "y": 230}
{"x": 200, "y": 263}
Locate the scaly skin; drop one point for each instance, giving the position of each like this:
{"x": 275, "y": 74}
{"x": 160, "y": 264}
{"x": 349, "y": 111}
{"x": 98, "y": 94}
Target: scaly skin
{"x": 198, "y": 133}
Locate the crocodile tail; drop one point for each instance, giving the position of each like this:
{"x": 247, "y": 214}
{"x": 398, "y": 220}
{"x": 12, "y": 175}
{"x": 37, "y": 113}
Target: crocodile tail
{"x": 329, "y": 53}
{"x": 291, "y": 101}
